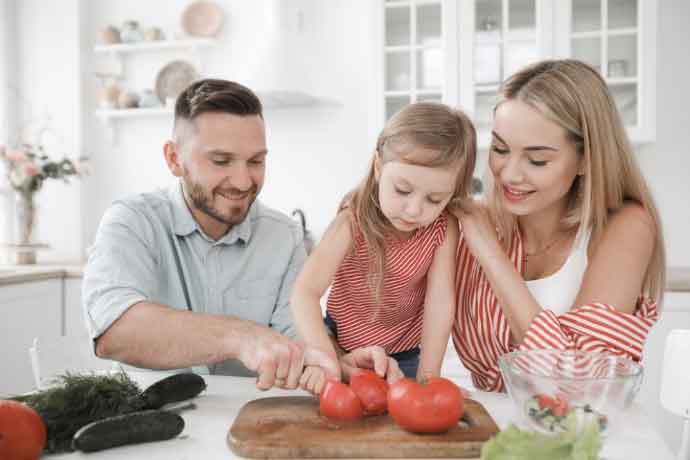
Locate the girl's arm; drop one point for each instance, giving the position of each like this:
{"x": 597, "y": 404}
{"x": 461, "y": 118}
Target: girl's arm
{"x": 314, "y": 279}
{"x": 439, "y": 304}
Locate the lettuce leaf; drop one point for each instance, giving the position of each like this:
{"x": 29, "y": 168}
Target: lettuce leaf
{"x": 575, "y": 443}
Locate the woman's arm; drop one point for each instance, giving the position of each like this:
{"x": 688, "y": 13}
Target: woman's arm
{"x": 314, "y": 279}
{"x": 439, "y": 304}
{"x": 609, "y": 314}
{"x": 518, "y": 304}
{"x": 618, "y": 262}
{"x": 602, "y": 316}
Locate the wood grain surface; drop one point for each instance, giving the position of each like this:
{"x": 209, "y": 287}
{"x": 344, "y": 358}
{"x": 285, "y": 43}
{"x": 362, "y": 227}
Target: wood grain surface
{"x": 291, "y": 427}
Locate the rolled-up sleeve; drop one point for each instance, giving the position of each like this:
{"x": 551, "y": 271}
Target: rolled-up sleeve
{"x": 595, "y": 327}
{"x": 121, "y": 268}
{"x": 282, "y": 320}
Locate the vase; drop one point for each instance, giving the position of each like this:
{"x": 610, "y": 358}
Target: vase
{"x": 25, "y": 213}
{"x": 26, "y": 217}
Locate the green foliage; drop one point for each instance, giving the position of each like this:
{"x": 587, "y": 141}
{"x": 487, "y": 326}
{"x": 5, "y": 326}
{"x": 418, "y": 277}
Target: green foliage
{"x": 77, "y": 400}
{"x": 575, "y": 443}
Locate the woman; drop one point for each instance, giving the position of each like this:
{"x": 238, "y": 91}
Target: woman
{"x": 568, "y": 252}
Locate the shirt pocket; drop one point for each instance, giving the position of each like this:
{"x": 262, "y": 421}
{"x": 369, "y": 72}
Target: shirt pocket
{"x": 255, "y": 299}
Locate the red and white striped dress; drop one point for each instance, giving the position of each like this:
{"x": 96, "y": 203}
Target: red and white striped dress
{"x": 481, "y": 333}
{"x": 397, "y": 325}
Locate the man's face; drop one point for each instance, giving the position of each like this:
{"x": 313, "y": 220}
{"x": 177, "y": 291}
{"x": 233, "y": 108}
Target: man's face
{"x": 222, "y": 162}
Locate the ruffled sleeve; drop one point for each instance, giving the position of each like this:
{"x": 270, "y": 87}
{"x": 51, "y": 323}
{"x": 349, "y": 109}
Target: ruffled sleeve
{"x": 595, "y": 327}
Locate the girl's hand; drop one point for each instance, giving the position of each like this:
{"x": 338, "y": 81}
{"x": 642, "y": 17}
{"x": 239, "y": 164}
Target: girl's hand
{"x": 478, "y": 229}
{"x": 313, "y": 379}
{"x": 374, "y": 358}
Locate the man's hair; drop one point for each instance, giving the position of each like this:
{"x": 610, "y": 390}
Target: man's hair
{"x": 215, "y": 95}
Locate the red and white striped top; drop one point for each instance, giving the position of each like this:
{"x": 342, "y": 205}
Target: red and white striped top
{"x": 397, "y": 324}
{"x": 481, "y": 333}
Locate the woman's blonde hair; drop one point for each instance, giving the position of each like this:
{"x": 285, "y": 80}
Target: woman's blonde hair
{"x": 448, "y": 140}
{"x": 573, "y": 95}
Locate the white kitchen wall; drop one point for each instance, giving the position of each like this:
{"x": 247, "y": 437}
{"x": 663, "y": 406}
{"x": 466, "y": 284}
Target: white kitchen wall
{"x": 8, "y": 60}
{"x": 45, "y": 91}
{"x": 316, "y": 153}
{"x": 666, "y": 163}
{"x": 324, "y": 48}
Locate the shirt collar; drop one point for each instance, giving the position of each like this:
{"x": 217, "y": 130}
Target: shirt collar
{"x": 184, "y": 222}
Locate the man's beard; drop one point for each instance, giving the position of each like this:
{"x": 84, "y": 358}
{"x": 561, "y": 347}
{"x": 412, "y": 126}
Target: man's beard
{"x": 202, "y": 201}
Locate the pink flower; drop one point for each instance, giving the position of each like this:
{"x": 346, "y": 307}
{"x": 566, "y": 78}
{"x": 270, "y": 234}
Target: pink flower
{"x": 16, "y": 155}
{"x": 30, "y": 169}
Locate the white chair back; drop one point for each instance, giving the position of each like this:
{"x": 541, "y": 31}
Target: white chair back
{"x": 675, "y": 382}
{"x": 50, "y": 358}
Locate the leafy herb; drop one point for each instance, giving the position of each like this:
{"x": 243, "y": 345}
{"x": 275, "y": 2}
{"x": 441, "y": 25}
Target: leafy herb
{"x": 77, "y": 400}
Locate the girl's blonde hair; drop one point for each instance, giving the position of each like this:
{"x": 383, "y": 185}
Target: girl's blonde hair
{"x": 573, "y": 95}
{"x": 448, "y": 140}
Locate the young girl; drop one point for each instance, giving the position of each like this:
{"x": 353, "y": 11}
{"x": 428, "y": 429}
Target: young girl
{"x": 577, "y": 262}
{"x": 389, "y": 253}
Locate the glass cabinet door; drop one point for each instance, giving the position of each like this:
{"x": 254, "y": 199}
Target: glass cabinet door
{"x": 505, "y": 40}
{"x": 414, "y": 54}
{"x": 604, "y": 33}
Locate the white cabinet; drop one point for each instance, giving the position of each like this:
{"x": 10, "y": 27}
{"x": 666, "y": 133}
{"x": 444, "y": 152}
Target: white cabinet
{"x": 48, "y": 309}
{"x": 28, "y": 310}
{"x": 72, "y": 312}
{"x": 458, "y": 51}
{"x": 618, "y": 38}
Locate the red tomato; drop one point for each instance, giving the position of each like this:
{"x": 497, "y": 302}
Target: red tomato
{"x": 430, "y": 407}
{"x": 545, "y": 401}
{"x": 338, "y": 401}
{"x": 561, "y": 407}
{"x": 371, "y": 390}
{"x": 558, "y": 405}
{"x": 22, "y": 431}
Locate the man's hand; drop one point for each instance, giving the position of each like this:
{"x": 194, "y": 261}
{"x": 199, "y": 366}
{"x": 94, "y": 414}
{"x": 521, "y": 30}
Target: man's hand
{"x": 278, "y": 360}
{"x": 371, "y": 358}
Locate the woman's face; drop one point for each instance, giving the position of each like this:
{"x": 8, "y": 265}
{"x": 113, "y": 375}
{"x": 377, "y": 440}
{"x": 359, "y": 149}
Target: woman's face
{"x": 533, "y": 163}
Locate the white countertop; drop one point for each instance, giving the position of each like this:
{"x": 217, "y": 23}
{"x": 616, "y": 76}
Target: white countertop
{"x": 206, "y": 427}
{"x": 678, "y": 278}
{"x": 13, "y": 274}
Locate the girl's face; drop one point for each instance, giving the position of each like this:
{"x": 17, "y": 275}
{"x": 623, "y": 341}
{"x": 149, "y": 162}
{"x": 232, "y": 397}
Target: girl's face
{"x": 533, "y": 163}
{"x": 413, "y": 196}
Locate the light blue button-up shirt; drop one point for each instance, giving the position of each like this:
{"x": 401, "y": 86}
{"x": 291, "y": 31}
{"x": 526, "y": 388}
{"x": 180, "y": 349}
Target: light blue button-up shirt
{"x": 150, "y": 248}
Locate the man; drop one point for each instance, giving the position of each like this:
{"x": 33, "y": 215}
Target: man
{"x": 200, "y": 274}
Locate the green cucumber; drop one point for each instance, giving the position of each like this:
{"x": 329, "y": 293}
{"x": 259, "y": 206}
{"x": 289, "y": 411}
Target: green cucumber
{"x": 172, "y": 389}
{"x": 134, "y": 428}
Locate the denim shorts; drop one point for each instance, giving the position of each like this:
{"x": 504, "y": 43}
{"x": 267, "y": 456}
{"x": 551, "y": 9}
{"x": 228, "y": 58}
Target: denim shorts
{"x": 408, "y": 360}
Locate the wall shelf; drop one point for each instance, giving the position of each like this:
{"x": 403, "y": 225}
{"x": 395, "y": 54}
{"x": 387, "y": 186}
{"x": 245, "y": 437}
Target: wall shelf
{"x": 271, "y": 100}
{"x": 121, "y": 48}
{"x": 109, "y": 114}
{"x": 192, "y": 45}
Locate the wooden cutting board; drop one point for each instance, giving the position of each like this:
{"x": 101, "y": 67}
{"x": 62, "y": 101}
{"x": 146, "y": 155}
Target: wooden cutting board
{"x": 291, "y": 427}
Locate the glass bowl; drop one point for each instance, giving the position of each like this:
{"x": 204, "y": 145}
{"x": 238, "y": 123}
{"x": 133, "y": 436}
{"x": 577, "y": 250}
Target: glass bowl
{"x": 556, "y": 390}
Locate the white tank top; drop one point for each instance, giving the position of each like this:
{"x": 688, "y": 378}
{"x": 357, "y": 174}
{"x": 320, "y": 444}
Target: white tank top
{"x": 557, "y": 292}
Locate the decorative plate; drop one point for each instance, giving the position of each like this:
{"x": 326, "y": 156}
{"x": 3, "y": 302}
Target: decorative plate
{"x": 202, "y": 19}
{"x": 173, "y": 78}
